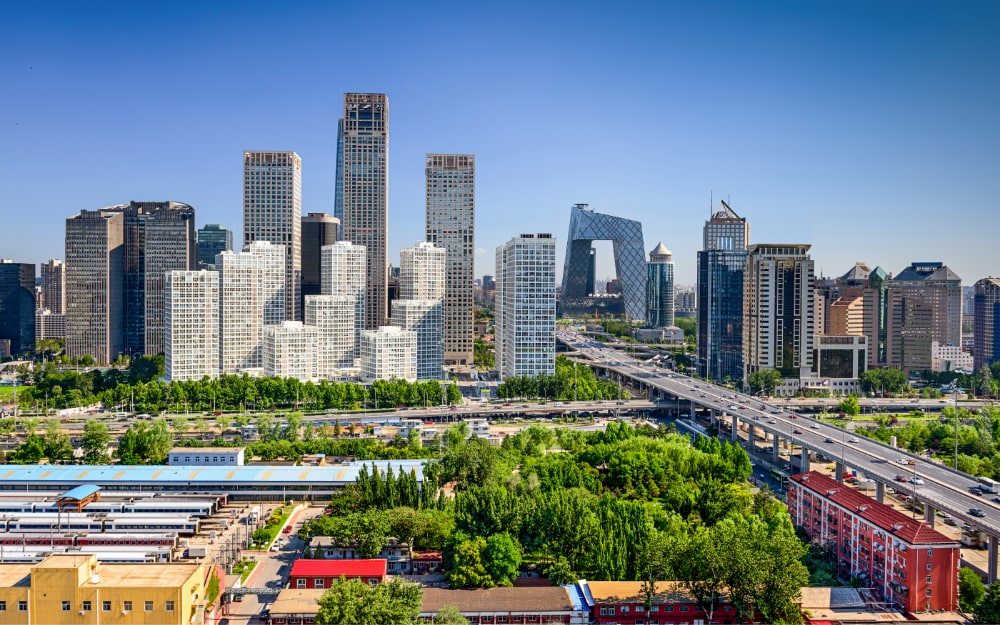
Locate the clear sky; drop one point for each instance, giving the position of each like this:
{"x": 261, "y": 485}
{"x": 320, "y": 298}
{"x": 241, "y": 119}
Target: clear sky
{"x": 869, "y": 129}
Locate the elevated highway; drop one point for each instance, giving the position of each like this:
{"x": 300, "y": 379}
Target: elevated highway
{"x": 943, "y": 488}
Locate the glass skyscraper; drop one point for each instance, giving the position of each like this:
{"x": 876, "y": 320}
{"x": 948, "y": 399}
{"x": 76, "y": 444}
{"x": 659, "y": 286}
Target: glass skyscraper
{"x": 213, "y": 240}
{"x": 660, "y": 288}
{"x": 338, "y": 184}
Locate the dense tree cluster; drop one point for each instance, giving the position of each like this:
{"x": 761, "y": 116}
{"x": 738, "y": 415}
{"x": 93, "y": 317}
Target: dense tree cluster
{"x": 353, "y": 602}
{"x": 569, "y": 383}
{"x": 63, "y": 388}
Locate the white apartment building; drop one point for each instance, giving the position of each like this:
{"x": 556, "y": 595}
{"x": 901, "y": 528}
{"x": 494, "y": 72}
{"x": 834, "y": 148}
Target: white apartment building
{"x": 387, "y": 353}
{"x": 426, "y": 318}
{"x": 191, "y": 325}
{"x": 342, "y": 272}
{"x": 273, "y": 279}
{"x": 290, "y": 351}
{"x": 526, "y": 306}
{"x": 335, "y": 319}
{"x": 422, "y": 271}
{"x": 949, "y": 358}
{"x": 241, "y": 311}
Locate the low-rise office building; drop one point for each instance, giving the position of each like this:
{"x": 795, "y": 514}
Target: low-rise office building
{"x": 206, "y": 456}
{"x": 320, "y": 574}
{"x": 625, "y": 602}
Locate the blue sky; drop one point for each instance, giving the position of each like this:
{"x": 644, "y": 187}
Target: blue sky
{"x": 868, "y": 129}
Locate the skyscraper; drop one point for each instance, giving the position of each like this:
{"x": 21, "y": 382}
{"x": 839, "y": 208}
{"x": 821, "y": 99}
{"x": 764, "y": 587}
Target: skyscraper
{"x": 366, "y": 192}
{"x": 17, "y": 306}
{"x": 526, "y": 306}
{"x": 290, "y": 351}
{"x": 241, "y": 311}
{"x": 660, "y": 288}
{"x": 876, "y": 317}
{"x": 191, "y": 331}
{"x": 94, "y": 285}
{"x": 213, "y": 239}
{"x": 170, "y": 245}
{"x": 272, "y": 211}
{"x": 334, "y": 317}
{"x": 451, "y": 219}
{"x": 924, "y": 305}
{"x": 986, "y": 324}
{"x": 421, "y": 305}
{"x": 344, "y": 273}
{"x": 387, "y": 353}
{"x": 274, "y": 284}
{"x": 720, "y": 294}
{"x": 422, "y": 272}
{"x": 54, "y": 286}
{"x": 318, "y": 230}
{"x": 778, "y": 310}
{"x": 338, "y": 180}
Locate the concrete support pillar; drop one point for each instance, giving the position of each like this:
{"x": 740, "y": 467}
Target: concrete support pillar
{"x": 736, "y": 425}
{"x": 805, "y": 460}
{"x": 992, "y": 564}
{"x": 774, "y": 448}
{"x": 929, "y": 514}
{"x": 840, "y": 472}
{"x": 880, "y": 492}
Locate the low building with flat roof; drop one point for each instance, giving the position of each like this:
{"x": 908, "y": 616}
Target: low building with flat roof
{"x": 206, "y": 456}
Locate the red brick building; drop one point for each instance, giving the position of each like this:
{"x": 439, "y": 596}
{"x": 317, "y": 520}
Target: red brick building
{"x": 320, "y": 574}
{"x": 905, "y": 560}
{"x": 624, "y": 603}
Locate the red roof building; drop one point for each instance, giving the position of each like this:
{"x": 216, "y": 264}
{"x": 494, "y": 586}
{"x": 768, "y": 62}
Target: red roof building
{"x": 320, "y": 574}
{"x": 905, "y": 560}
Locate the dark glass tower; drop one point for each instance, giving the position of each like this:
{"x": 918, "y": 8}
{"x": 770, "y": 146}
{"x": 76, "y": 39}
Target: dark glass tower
{"x": 17, "y": 306}
{"x": 318, "y": 229}
{"x": 213, "y": 239}
{"x": 338, "y": 185}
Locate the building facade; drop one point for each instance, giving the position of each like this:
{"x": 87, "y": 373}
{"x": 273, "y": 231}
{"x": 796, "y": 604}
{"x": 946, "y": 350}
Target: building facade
{"x": 389, "y": 353}
{"x": 207, "y": 456}
{"x": 451, "y": 221}
{"x": 425, "y": 317}
{"x": 272, "y": 260}
{"x": 320, "y": 574}
{"x": 422, "y": 272}
{"x": 840, "y": 360}
{"x": 272, "y": 212}
{"x": 17, "y": 306}
{"x": 95, "y": 285}
{"x": 950, "y": 358}
{"x": 344, "y": 273}
{"x": 318, "y": 230}
{"x": 49, "y": 325}
{"x": 904, "y": 560}
{"x": 241, "y": 312}
{"x": 986, "y": 322}
{"x": 720, "y": 294}
{"x": 336, "y": 323}
{"x": 846, "y": 315}
{"x": 660, "y": 288}
{"x": 778, "y": 310}
{"x": 290, "y": 351}
{"x": 617, "y": 603}
{"x": 213, "y": 239}
{"x": 876, "y": 317}
{"x": 526, "y": 306}
{"x": 170, "y": 244}
{"x": 191, "y": 336}
{"x": 53, "y": 273}
{"x": 365, "y": 219}
{"x": 924, "y": 305}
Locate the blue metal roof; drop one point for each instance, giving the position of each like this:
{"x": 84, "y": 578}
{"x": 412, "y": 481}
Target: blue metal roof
{"x": 89, "y": 475}
{"x": 79, "y": 493}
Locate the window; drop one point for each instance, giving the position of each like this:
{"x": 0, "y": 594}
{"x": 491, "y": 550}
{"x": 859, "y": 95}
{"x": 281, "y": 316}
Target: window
{"x": 624, "y": 609}
{"x": 928, "y": 592}
{"x": 148, "y": 606}
{"x": 105, "y": 606}
{"x": 87, "y": 606}
{"x": 318, "y": 582}
{"x": 3, "y": 606}
{"x": 928, "y": 579}
{"x": 127, "y": 606}
{"x": 65, "y": 606}
{"x": 300, "y": 583}
{"x": 22, "y": 606}
{"x": 169, "y": 606}
{"x": 684, "y": 608}
{"x": 639, "y": 609}
{"x": 928, "y": 566}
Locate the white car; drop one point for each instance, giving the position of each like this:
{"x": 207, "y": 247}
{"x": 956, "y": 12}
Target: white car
{"x": 853, "y": 439}
{"x": 918, "y": 481}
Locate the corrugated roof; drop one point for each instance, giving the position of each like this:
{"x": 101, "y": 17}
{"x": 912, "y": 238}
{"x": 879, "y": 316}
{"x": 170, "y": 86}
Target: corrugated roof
{"x": 335, "y": 568}
{"x": 667, "y": 592}
{"x": 884, "y": 517}
{"x": 542, "y": 599}
{"x": 79, "y": 493}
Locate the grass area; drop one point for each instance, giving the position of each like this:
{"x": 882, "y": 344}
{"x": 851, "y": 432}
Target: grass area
{"x": 7, "y": 393}
{"x": 244, "y": 568}
{"x": 273, "y": 525}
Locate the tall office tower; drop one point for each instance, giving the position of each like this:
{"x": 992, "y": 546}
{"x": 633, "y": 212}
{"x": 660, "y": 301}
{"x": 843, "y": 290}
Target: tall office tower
{"x": 17, "y": 306}
{"x": 986, "y": 328}
{"x": 925, "y": 305}
{"x": 778, "y": 310}
{"x": 660, "y": 288}
{"x": 191, "y": 335}
{"x": 338, "y": 184}
{"x": 366, "y": 193}
{"x": 318, "y": 230}
{"x": 273, "y": 264}
{"x": 335, "y": 320}
{"x": 94, "y": 285}
{"x": 422, "y": 272}
{"x": 846, "y": 316}
{"x": 451, "y": 224}
{"x": 876, "y": 317}
{"x": 389, "y": 353}
{"x": 526, "y": 306}
{"x": 241, "y": 311}
{"x": 54, "y": 286}
{"x": 290, "y": 351}
{"x": 720, "y": 294}
{"x": 213, "y": 239}
{"x": 170, "y": 245}
{"x": 421, "y": 306}
{"x": 343, "y": 269}
{"x": 272, "y": 211}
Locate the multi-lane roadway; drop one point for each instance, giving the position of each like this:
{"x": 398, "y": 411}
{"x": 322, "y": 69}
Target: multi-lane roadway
{"x": 942, "y": 488}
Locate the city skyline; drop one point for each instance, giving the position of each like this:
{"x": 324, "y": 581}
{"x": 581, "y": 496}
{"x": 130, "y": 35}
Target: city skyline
{"x": 852, "y": 127}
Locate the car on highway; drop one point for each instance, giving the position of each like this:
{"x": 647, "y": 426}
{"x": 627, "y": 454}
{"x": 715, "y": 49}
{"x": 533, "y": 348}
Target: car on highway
{"x": 919, "y": 481}
{"x": 853, "y": 439}
{"x": 771, "y": 421}
{"x": 950, "y": 521}
{"x": 731, "y": 407}
{"x": 902, "y": 461}
{"x": 794, "y": 416}
{"x": 830, "y": 440}
{"x": 975, "y": 490}
{"x": 776, "y": 411}
{"x": 902, "y": 478}
{"x": 796, "y": 431}
{"x": 977, "y": 512}
{"x": 813, "y": 426}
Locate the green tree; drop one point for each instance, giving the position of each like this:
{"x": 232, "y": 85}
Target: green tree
{"x": 454, "y": 395}
{"x": 465, "y": 567}
{"x": 261, "y": 536}
{"x": 988, "y": 610}
{"x": 502, "y": 559}
{"x": 850, "y": 406}
{"x": 224, "y": 421}
{"x": 31, "y": 451}
{"x": 57, "y": 443}
{"x": 971, "y": 590}
{"x": 764, "y": 381}
{"x": 95, "y": 442}
{"x": 353, "y": 602}
{"x": 450, "y": 615}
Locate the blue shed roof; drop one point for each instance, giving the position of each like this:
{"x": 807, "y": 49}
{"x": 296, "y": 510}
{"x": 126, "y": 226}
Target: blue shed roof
{"x": 79, "y": 493}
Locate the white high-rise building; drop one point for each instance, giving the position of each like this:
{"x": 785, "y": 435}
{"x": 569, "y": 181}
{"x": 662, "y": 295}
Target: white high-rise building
{"x": 191, "y": 325}
{"x": 451, "y": 218}
{"x": 426, "y": 318}
{"x": 389, "y": 353}
{"x": 335, "y": 320}
{"x": 272, "y": 211}
{"x": 422, "y": 271}
{"x": 290, "y": 351}
{"x": 241, "y": 317}
{"x": 273, "y": 283}
{"x": 342, "y": 272}
{"x": 526, "y": 306}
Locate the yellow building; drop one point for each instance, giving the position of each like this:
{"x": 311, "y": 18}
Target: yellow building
{"x": 77, "y": 590}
